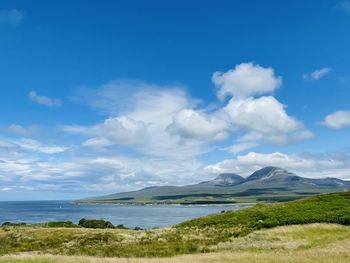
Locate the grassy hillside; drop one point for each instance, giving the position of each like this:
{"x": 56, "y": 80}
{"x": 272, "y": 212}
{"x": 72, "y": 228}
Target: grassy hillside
{"x": 207, "y": 234}
{"x": 315, "y": 243}
{"x": 328, "y": 208}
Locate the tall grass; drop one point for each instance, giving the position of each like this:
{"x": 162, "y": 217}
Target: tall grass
{"x": 316, "y": 243}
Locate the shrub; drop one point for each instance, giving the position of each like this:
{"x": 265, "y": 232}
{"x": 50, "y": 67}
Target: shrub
{"x": 121, "y": 227}
{"x": 13, "y": 224}
{"x": 94, "y": 223}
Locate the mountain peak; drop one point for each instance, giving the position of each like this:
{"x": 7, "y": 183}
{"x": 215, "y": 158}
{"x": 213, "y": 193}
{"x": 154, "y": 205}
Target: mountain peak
{"x": 227, "y": 179}
{"x": 269, "y": 172}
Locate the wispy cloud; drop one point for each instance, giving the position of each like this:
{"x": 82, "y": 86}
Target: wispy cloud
{"x": 19, "y": 129}
{"x": 344, "y": 6}
{"x": 317, "y": 74}
{"x": 30, "y": 145}
{"x": 12, "y": 17}
{"x": 43, "y": 100}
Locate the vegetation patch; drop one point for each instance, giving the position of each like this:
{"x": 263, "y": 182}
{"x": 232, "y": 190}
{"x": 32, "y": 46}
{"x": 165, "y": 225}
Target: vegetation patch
{"x": 94, "y": 223}
{"x": 207, "y": 234}
{"x": 328, "y": 208}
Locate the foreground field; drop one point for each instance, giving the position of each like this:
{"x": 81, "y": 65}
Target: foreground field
{"x": 249, "y": 234}
{"x": 302, "y": 243}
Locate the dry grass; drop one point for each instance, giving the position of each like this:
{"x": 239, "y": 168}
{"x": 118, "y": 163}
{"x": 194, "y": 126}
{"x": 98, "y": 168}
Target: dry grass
{"x": 316, "y": 243}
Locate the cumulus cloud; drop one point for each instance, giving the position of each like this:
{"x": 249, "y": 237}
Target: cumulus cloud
{"x": 309, "y": 165}
{"x": 147, "y": 130}
{"x": 43, "y": 100}
{"x": 265, "y": 118}
{"x": 245, "y": 80}
{"x": 12, "y": 17}
{"x": 166, "y": 121}
{"x": 193, "y": 124}
{"x": 149, "y": 123}
{"x": 337, "y": 120}
{"x": 317, "y": 74}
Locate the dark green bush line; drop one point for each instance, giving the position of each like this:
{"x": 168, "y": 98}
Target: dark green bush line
{"x": 13, "y": 224}
{"x": 85, "y": 223}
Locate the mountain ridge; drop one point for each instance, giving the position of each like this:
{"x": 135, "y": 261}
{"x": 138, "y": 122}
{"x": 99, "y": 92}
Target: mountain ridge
{"x": 266, "y": 184}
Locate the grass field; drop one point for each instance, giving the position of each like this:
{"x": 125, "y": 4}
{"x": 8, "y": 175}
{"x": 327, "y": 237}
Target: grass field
{"x": 301, "y": 243}
{"x": 247, "y": 234}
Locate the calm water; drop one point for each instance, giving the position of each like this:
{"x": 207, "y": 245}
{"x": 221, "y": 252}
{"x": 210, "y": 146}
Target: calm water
{"x": 129, "y": 215}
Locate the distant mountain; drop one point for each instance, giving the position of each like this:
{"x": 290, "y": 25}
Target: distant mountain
{"x": 225, "y": 179}
{"x": 267, "y": 184}
{"x": 270, "y": 173}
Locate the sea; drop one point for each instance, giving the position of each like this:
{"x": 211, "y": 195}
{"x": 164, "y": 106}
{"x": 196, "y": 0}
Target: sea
{"x": 144, "y": 216}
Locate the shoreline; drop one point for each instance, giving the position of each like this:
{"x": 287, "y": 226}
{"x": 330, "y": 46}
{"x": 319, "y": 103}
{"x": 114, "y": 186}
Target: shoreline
{"x": 166, "y": 204}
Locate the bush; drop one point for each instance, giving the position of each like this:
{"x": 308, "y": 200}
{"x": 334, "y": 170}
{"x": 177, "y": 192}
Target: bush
{"x": 94, "y": 223}
{"x": 121, "y": 227}
{"x": 13, "y": 224}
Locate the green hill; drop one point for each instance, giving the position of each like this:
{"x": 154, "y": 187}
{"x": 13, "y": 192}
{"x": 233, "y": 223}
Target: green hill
{"x": 327, "y": 208}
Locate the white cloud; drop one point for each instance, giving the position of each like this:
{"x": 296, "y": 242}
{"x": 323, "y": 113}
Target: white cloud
{"x": 158, "y": 106}
{"x": 31, "y": 145}
{"x": 123, "y": 130}
{"x": 143, "y": 124}
{"x": 265, "y": 118}
{"x": 165, "y": 121}
{"x": 241, "y": 146}
{"x": 308, "y": 165}
{"x": 193, "y": 124}
{"x": 317, "y": 74}
{"x": 144, "y": 138}
{"x": 43, "y": 100}
{"x": 120, "y": 96}
{"x": 149, "y": 130}
{"x": 337, "y": 120}
{"x": 19, "y": 130}
{"x": 12, "y": 17}
{"x": 92, "y": 174}
{"x": 5, "y": 189}
{"x": 245, "y": 80}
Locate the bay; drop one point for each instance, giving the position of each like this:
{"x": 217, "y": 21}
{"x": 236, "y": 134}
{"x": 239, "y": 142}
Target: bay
{"x": 145, "y": 216}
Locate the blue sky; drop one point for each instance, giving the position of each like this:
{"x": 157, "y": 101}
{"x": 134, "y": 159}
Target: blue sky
{"x": 105, "y": 97}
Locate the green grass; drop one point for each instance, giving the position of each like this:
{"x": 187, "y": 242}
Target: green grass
{"x": 327, "y": 208}
{"x": 206, "y": 234}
